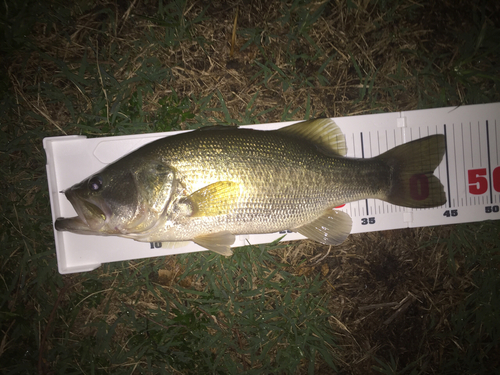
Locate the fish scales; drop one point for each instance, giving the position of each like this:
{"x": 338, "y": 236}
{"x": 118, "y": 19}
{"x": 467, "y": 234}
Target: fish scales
{"x": 269, "y": 167}
{"x": 211, "y": 184}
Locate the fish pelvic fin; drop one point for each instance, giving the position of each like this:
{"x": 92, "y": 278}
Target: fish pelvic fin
{"x": 219, "y": 242}
{"x": 331, "y": 228}
{"x": 170, "y": 245}
{"x": 412, "y": 165}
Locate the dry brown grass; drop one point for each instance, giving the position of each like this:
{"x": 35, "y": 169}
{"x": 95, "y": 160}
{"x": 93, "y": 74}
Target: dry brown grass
{"x": 388, "y": 294}
{"x": 359, "y": 35}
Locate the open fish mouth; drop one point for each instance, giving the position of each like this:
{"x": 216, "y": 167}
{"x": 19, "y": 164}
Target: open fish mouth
{"x": 91, "y": 217}
{"x": 72, "y": 224}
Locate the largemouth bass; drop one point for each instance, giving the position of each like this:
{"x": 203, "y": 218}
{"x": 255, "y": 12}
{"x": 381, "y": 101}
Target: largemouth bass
{"x": 211, "y": 184}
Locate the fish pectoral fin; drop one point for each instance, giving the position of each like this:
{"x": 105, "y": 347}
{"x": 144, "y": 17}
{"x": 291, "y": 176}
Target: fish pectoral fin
{"x": 215, "y": 199}
{"x": 219, "y": 242}
{"x": 332, "y": 228}
{"x": 323, "y": 132}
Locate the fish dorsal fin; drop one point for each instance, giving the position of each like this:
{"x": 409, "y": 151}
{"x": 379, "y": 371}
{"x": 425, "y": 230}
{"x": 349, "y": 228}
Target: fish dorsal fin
{"x": 219, "y": 242}
{"x": 331, "y": 228}
{"x": 323, "y": 132}
{"x": 215, "y": 199}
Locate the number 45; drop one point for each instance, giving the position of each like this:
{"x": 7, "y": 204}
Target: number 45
{"x": 449, "y": 213}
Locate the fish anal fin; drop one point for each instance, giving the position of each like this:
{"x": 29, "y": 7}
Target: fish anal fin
{"x": 323, "y": 132}
{"x": 219, "y": 242}
{"x": 331, "y": 228}
{"x": 215, "y": 199}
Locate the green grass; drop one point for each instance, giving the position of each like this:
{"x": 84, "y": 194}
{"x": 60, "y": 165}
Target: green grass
{"x": 476, "y": 328}
{"x": 250, "y": 313}
{"x": 470, "y": 345}
{"x": 246, "y": 317}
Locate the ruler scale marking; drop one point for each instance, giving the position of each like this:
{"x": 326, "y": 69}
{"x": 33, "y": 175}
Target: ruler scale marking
{"x": 372, "y": 200}
{"x": 489, "y": 162}
{"x": 447, "y": 165}
{"x": 463, "y": 162}
{"x": 363, "y": 156}
{"x": 455, "y": 165}
{"x": 470, "y": 144}
{"x": 479, "y": 143}
{"x": 438, "y": 170}
{"x": 378, "y": 142}
{"x": 385, "y": 205}
{"x": 497, "y": 142}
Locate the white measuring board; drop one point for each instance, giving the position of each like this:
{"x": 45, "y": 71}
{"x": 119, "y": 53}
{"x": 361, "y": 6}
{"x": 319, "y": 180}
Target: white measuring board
{"x": 470, "y": 173}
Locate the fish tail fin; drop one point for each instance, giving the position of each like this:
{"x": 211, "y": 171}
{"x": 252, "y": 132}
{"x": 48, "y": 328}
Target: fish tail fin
{"x": 412, "y": 166}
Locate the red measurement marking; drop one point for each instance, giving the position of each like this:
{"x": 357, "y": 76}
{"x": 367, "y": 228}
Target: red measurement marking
{"x": 342, "y": 205}
{"x": 496, "y": 179}
{"x": 419, "y": 187}
{"x": 478, "y": 184}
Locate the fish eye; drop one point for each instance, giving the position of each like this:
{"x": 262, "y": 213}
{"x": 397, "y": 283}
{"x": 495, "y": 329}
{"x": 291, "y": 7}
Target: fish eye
{"x": 95, "y": 183}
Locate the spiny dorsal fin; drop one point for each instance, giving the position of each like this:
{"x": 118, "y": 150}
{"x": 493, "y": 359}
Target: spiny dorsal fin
{"x": 219, "y": 242}
{"x": 215, "y": 199}
{"x": 324, "y": 132}
{"x": 331, "y": 228}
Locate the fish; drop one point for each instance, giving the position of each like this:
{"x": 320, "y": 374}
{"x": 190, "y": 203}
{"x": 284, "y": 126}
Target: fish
{"x": 211, "y": 184}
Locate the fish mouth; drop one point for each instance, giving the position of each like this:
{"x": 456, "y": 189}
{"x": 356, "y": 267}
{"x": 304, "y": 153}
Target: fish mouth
{"x": 72, "y": 224}
{"x": 91, "y": 217}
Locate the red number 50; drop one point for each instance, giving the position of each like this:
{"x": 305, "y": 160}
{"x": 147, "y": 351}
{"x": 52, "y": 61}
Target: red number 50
{"x": 478, "y": 184}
